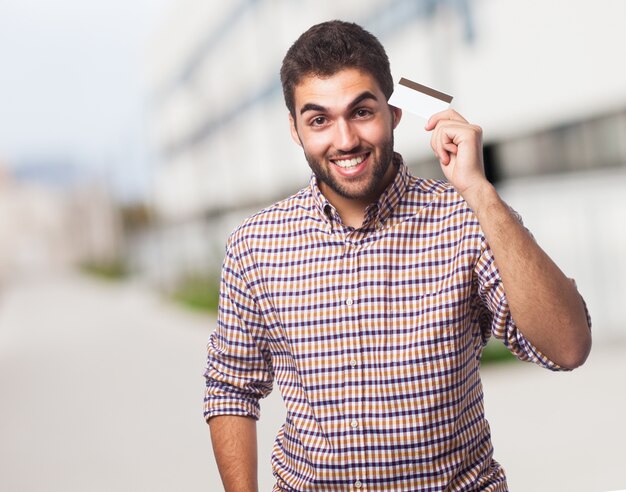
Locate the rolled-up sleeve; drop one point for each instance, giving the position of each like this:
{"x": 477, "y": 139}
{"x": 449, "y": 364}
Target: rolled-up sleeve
{"x": 497, "y": 320}
{"x": 239, "y": 365}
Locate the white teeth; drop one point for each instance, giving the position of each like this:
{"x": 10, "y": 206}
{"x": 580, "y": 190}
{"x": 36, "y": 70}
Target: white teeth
{"x": 346, "y": 163}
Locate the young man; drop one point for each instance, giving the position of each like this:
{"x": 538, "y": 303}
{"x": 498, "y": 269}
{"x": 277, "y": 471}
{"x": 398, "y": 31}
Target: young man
{"x": 369, "y": 295}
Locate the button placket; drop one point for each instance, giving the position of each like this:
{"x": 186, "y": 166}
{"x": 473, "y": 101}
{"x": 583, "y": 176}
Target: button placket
{"x": 353, "y": 367}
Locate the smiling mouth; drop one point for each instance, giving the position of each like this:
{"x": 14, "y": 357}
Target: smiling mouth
{"x": 349, "y": 162}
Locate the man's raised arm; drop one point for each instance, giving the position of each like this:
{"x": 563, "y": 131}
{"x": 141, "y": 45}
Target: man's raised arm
{"x": 544, "y": 303}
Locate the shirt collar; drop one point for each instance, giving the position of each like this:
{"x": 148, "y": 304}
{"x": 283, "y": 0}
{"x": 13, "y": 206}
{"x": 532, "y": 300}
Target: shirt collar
{"x": 323, "y": 206}
{"x": 377, "y": 212}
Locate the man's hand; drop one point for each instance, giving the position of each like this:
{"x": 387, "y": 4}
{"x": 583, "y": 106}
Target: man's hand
{"x": 459, "y": 147}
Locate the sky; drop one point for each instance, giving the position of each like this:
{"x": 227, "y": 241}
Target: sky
{"x": 71, "y": 84}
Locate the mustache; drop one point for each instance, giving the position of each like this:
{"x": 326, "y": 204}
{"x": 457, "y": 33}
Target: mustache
{"x": 343, "y": 153}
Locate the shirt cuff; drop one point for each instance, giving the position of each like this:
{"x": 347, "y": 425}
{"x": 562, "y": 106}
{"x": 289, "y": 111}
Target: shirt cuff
{"x": 218, "y": 402}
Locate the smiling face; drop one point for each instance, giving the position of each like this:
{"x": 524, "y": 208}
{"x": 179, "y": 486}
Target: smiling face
{"x": 345, "y": 126}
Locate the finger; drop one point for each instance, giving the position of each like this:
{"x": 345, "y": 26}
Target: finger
{"x": 442, "y": 137}
{"x": 448, "y": 114}
{"x": 451, "y": 148}
{"x": 435, "y": 143}
{"x": 438, "y": 140}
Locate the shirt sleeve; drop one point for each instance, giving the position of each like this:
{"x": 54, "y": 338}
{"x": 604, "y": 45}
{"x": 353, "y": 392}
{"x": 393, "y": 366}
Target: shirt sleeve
{"x": 496, "y": 318}
{"x": 239, "y": 365}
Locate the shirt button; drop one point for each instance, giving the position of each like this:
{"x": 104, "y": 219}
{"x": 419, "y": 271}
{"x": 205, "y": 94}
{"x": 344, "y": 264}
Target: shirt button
{"x": 353, "y": 363}
{"x": 354, "y": 424}
{"x": 349, "y": 302}
{"x": 358, "y": 484}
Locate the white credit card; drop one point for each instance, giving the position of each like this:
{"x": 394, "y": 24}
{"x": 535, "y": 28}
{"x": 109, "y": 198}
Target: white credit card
{"x": 419, "y": 99}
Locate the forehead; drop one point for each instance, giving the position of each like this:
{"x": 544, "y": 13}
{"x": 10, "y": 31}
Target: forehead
{"x": 335, "y": 91}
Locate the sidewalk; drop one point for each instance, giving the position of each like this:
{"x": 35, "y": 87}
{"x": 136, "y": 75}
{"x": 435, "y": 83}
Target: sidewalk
{"x": 101, "y": 389}
{"x": 102, "y": 384}
{"x": 560, "y": 431}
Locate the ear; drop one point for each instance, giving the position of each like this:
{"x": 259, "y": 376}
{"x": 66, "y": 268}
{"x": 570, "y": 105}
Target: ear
{"x": 294, "y": 130}
{"x": 396, "y": 115}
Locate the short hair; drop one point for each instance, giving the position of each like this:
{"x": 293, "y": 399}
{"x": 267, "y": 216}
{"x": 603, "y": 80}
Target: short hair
{"x": 329, "y": 47}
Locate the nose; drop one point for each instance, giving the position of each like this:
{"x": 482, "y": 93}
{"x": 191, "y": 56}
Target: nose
{"x": 346, "y": 137}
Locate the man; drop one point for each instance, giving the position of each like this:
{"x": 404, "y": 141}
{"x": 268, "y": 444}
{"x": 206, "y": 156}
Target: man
{"x": 369, "y": 295}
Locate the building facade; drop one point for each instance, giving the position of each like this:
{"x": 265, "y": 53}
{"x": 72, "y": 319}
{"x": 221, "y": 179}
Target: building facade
{"x": 542, "y": 81}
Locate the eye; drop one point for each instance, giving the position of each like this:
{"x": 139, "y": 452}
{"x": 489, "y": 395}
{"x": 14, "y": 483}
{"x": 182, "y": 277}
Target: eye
{"x": 362, "y": 113}
{"x": 318, "y": 121}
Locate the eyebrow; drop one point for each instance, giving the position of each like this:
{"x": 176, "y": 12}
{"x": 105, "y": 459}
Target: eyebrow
{"x": 357, "y": 100}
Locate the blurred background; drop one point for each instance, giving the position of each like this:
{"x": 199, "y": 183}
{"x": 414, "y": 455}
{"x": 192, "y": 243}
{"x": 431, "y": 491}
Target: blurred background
{"x": 134, "y": 136}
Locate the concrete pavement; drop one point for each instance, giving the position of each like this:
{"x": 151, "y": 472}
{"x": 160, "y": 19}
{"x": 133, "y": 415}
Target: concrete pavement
{"x": 561, "y": 431}
{"x": 101, "y": 389}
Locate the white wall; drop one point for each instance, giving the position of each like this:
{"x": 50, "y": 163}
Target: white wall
{"x": 578, "y": 220}
{"x": 533, "y": 64}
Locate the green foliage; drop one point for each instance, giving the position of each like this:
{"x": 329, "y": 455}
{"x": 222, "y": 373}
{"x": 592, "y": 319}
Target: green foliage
{"x": 198, "y": 292}
{"x": 109, "y": 270}
{"x": 496, "y": 352}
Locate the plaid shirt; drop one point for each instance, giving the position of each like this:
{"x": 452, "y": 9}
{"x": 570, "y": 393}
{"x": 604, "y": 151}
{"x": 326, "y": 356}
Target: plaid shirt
{"x": 373, "y": 335}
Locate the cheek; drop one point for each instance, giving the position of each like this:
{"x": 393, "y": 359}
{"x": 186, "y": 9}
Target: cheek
{"x": 314, "y": 144}
{"x": 378, "y": 134}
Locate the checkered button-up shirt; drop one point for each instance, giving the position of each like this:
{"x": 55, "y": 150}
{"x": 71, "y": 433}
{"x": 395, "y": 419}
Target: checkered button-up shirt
{"x": 373, "y": 335}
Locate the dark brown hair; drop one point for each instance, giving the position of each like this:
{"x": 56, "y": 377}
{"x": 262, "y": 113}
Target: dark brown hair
{"x": 330, "y": 47}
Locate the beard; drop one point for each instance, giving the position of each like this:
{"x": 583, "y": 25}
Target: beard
{"x": 362, "y": 191}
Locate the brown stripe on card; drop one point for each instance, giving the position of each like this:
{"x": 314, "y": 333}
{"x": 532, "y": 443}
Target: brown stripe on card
{"x": 425, "y": 90}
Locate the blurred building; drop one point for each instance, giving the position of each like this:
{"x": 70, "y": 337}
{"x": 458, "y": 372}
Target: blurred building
{"x": 542, "y": 80}
{"x": 47, "y": 224}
